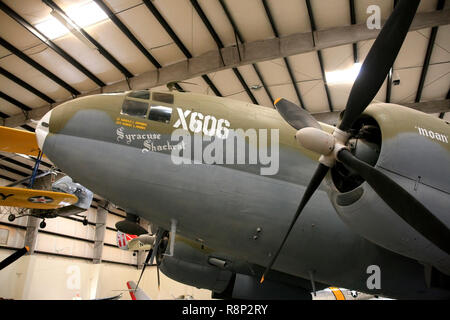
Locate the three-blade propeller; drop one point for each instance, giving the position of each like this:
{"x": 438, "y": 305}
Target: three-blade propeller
{"x": 334, "y": 147}
{"x": 157, "y": 249}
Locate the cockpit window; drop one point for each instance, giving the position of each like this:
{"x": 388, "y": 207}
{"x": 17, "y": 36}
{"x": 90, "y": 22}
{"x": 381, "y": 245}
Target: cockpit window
{"x": 135, "y": 108}
{"x": 160, "y": 113}
{"x": 141, "y": 94}
{"x": 163, "y": 97}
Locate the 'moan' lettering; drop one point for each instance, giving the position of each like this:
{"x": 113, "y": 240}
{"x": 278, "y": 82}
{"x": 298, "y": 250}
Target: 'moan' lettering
{"x": 432, "y": 135}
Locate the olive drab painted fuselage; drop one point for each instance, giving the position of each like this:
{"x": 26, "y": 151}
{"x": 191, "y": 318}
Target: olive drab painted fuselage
{"x": 120, "y": 147}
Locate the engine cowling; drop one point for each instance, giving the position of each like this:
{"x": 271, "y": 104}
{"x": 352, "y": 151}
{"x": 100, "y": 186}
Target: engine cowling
{"x": 190, "y": 266}
{"x": 246, "y": 287}
{"x": 413, "y": 149}
{"x": 194, "y": 266}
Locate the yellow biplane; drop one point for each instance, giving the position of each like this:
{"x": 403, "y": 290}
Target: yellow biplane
{"x": 35, "y": 199}
{"x": 42, "y": 203}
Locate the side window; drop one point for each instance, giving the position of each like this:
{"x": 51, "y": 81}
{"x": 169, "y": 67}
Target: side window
{"x": 141, "y": 94}
{"x": 135, "y": 108}
{"x": 160, "y": 113}
{"x": 163, "y": 97}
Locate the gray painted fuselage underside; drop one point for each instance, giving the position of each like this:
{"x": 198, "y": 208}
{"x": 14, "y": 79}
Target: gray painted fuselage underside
{"x": 225, "y": 205}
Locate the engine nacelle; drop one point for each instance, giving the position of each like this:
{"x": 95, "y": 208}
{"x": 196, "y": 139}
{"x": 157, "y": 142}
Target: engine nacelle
{"x": 190, "y": 266}
{"x": 198, "y": 267}
{"x": 415, "y": 153}
{"x": 246, "y": 287}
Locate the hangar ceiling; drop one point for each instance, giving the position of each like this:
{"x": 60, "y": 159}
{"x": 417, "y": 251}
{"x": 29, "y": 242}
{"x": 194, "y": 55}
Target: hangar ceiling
{"x": 120, "y": 44}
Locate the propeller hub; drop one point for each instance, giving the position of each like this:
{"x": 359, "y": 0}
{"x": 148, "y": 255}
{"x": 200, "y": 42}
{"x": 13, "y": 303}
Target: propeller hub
{"x": 147, "y": 239}
{"x": 321, "y": 142}
{"x": 316, "y": 140}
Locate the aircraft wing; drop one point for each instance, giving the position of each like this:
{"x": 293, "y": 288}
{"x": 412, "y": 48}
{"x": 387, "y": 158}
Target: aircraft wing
{"x": 18, "y": 141}
{"x": 35, "y": 199}
{"x": 136, "y": 293}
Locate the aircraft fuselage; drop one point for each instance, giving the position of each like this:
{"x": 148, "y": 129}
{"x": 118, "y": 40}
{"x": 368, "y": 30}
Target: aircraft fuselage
{"x": 230, "y": 207}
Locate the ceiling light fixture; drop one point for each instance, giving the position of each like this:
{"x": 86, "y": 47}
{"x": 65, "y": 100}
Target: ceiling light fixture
{"x": 52, "y": 28}
{"x": 83, "y": 16}
{"x": 72, "y": 27}
{"x": 343, "y": 76}
{"x": 87, "y": 14}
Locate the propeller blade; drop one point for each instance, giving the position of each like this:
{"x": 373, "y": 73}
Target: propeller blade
{"x": 16, "y": 255}
{"x": 401, "y": 201}
{"x": 378, "y": 62}
{"x": 317, "y": 178}
{"x": 150, "y": 253}
{"x": 158, "y": 239}
{"x": 157, "y": 274}
{"x": 294, "y": 115}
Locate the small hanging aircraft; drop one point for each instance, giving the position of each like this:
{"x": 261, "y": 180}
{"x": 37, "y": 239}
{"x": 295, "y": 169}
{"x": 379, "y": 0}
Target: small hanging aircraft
{"x": 67, "y": 198}
{"x": 333, "y": 293}
{"x": 132, "y": 242}
{"x": 374, "y": 212}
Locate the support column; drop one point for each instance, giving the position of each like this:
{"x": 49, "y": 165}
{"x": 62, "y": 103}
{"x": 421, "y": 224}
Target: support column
{"x": 31, "y": 233}
{"x": 100, "y": 228}
{"x": 141, "y": 255}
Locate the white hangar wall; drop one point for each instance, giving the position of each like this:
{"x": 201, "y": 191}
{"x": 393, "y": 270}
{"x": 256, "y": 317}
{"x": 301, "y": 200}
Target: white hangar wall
{"x": 48, "y": 277}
